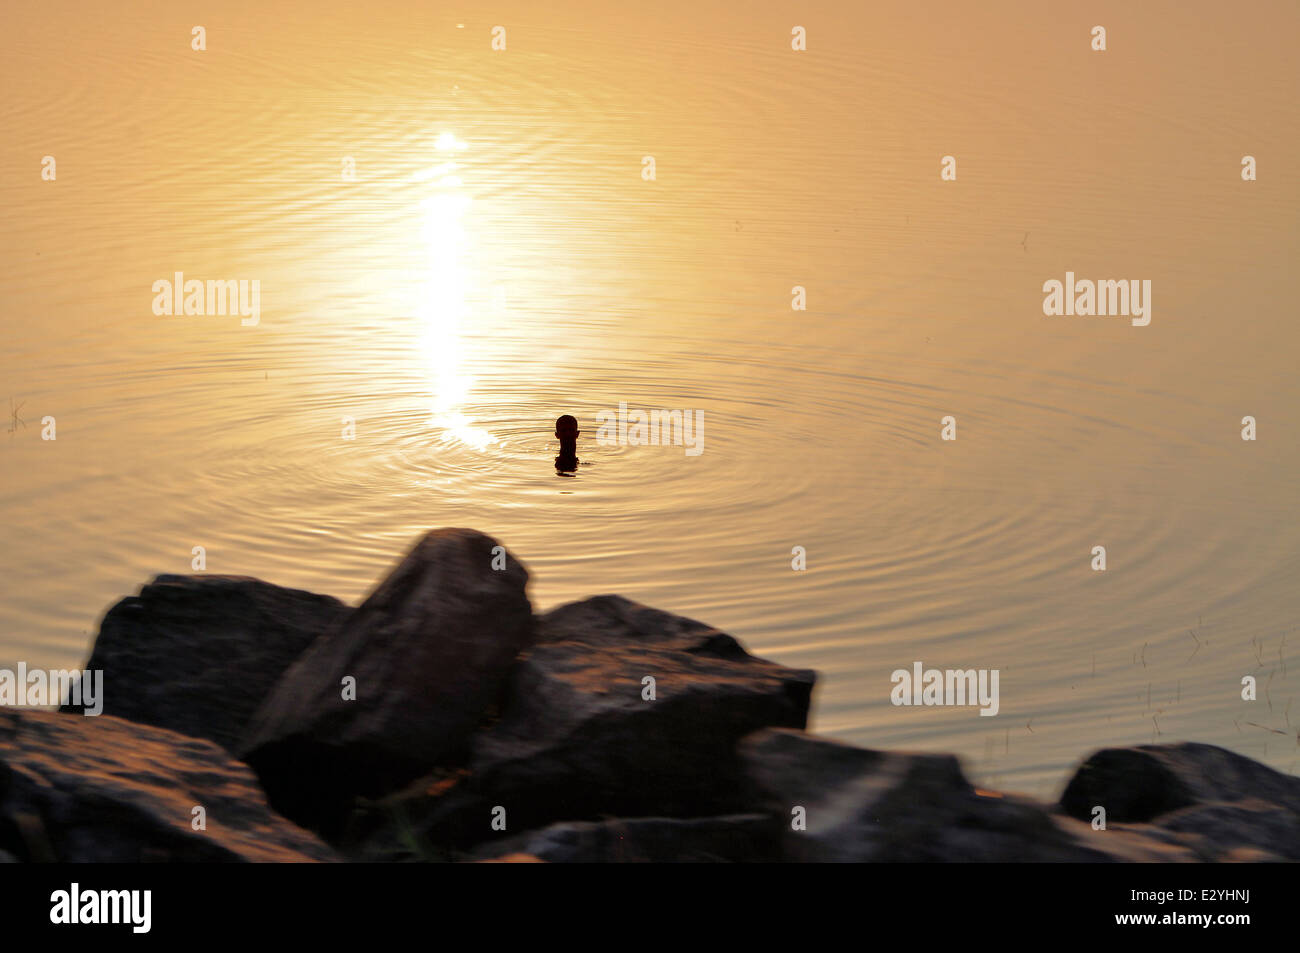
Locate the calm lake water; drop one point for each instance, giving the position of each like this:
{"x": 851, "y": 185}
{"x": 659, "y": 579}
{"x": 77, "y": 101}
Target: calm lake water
{"x": 499, "y": 259}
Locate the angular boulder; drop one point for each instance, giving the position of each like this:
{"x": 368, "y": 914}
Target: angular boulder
{"x": 200, "y": 654}
{"x": 427, "y": 654}
{"x": 860, "y": 805}
{"x": 580, "y": 737}
{"x": 1145, "y": 782}
{"x": 101, "y": 789}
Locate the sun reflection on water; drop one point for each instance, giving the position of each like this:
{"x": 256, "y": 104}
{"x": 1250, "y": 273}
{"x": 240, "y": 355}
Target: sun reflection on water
{"x": 443, "y": 303}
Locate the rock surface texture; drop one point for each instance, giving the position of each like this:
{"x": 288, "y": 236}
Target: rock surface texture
{"x": 101, "y": 789}
{"x": 427, "y": 654}
{"x": 200, "y": 654}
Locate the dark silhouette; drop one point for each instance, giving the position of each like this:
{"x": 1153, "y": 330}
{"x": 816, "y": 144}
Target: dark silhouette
{"x": 566, "y": 428}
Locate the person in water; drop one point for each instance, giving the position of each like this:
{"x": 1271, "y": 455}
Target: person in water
{"x": 566, "y": 428}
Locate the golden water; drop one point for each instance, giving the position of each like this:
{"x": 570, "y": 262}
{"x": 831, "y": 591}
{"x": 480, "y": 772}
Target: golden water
{"x": 499, "y": 260}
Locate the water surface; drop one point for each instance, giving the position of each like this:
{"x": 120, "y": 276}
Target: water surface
{"x": 499, "y": 260}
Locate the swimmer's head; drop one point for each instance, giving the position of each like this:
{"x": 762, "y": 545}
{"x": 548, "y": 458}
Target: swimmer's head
{"x": 566, "y": 427}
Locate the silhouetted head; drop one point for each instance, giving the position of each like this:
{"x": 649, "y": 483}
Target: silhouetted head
{"x": 566, "y": 427}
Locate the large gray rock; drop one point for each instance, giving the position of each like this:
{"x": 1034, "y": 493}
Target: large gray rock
{"x": 199, "y": 654}
{"x": 430, "y": 651}
{"x": 102, "y": 789}
{"x": 579, "y": 740}
{"x": 1147, "y": 781}
{"x": 865, "y": 805}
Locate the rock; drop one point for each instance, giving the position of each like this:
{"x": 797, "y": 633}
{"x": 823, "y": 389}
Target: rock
{"x": 1237, "y": 831}
{"x": 1130, "y": 843}
{"x": 864, "y": 805}
{"x": 199, "y": 654}
{"x": 731, "y": 838}
{"x": 1147, "y": 781}
{"x": 577, "y": 741}
{"x": 430, "y": 651}
{"x": 102, "y": 789}
{"x": 1217, "y": 830}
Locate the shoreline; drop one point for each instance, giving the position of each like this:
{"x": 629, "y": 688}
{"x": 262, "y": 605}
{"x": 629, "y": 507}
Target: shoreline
{"x": 442, "y": 719}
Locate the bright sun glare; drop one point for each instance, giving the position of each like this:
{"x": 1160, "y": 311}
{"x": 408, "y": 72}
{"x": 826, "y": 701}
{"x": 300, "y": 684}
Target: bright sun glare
{"x": 443, "y": 304}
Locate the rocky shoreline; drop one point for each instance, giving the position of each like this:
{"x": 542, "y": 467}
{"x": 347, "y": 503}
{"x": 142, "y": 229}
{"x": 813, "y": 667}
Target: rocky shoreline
{"x": 443, "y": 720}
